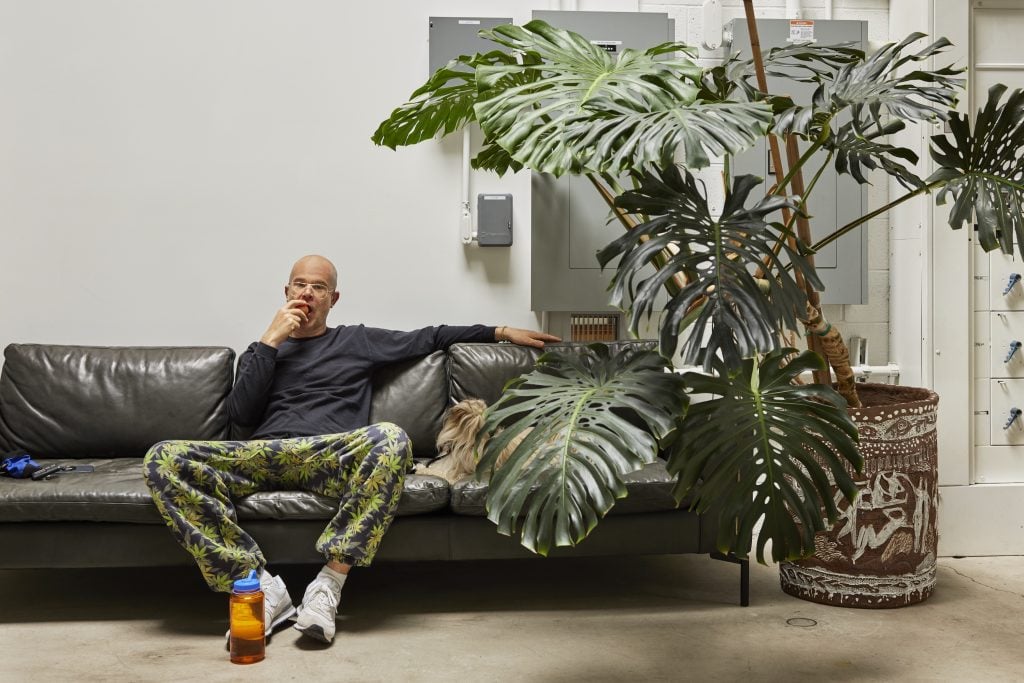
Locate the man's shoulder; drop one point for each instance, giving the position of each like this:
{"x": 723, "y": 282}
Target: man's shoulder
{"x": 357, "y": 330}
{"x": 344, "y": 330}
{"x": 371, "y": 331}
{"x": 360, "y": 333}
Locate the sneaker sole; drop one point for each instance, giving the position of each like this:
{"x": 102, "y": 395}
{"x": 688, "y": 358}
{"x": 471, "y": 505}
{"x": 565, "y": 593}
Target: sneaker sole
{"x": 314, "y": 631}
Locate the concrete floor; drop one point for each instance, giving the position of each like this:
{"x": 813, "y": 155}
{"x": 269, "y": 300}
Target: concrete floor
{"x": 621, "y": 619}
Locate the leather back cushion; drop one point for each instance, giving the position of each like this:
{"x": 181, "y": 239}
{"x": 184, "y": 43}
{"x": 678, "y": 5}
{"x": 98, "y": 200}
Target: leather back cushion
{"x": 413, "y": 395}
{"x": 89, "y": 402}
{"x": 482, "y": 370}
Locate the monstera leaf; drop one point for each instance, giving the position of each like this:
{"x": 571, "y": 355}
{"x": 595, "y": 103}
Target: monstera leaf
{"x": 591, "y": 418}
{"x": 587, "y": 111}
{"x": 801, "y": 62}
{"x": 442, "y": 105}
{"x": 744, "y": 315}
{"x": 807, "y": 62}
{"x": 984, "y": 171}
{"x": 495, "y": 158}
{"x": 877, "y": 89}
{"x": 858, "y": 150}
{"x": 763, "y": 449}
{"x": 872, "y": 89}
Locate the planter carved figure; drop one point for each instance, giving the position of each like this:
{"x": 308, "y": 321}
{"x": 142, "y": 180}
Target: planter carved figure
{"x": 881, "y": 552}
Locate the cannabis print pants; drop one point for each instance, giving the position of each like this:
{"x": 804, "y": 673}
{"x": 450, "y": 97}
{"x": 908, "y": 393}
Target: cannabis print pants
{"x": 194, "y": 482}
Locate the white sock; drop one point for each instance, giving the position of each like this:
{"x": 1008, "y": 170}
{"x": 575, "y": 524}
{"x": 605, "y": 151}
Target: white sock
{"x": 337, "y": 577}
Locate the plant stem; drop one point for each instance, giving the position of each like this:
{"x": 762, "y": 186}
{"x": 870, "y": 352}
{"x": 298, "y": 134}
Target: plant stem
{"x": 612, "y": 182}
{"x": 678, "y": 281}
{"x": 810, "y": 188}
{"x": 799, "y": 165}
{"x": 877, "y": 212}
{"x": 813, "y": 342}
{"x": 836, "y": 352}
{"x": 788, "y": 221}
{"x": 762, "y": 84}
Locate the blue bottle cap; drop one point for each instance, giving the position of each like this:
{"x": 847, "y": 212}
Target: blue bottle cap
{"x": 249, "y": 584}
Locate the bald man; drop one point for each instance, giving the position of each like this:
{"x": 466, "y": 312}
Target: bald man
{"x": 304, "y": 390}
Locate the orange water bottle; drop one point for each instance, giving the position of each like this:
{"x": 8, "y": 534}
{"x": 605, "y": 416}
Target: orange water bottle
{"x": 246, "y": 618}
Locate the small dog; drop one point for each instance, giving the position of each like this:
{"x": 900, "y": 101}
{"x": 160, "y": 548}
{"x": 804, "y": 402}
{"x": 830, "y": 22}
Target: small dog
{"x": 456, "y": 442}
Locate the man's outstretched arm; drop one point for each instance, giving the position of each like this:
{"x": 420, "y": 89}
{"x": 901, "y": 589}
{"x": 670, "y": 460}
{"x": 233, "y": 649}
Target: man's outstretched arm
{"x": 389, "y": 346}
{"x": 523, "y": 337}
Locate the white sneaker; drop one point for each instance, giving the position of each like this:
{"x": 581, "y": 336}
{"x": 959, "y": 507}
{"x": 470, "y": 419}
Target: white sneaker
{"x": 319, "y": 608}
{"x": 277, "y": 604}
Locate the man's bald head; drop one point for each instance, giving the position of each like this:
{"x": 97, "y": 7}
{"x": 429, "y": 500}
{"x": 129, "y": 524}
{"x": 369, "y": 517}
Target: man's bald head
{"x": 315, "y": 262}
{"x": 312, "y": 290}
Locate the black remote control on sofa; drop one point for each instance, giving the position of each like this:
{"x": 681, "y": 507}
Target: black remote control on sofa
{"x": 44, "y": 472}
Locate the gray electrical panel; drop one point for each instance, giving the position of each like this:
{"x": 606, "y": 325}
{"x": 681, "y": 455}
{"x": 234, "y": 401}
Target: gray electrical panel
{"x": 836, "y": 199}
{"x": 494, "y": 220}
{"x": 451, "y": 37}
{"x": 570, "y": 222}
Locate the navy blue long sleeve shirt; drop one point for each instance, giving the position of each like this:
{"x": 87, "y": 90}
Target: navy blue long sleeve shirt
{"x": 322, "y": 385}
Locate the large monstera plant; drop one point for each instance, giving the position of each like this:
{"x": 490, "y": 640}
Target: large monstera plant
{"x": 744, "y": 434}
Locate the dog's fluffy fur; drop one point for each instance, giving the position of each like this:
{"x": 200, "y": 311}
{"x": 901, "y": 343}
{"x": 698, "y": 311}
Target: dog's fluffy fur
{"x": 456, "y": 442}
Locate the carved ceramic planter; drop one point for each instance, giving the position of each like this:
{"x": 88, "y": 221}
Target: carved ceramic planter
{"x": 881, "y": 552}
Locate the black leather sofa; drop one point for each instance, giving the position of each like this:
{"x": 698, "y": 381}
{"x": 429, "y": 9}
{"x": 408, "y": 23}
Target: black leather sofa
{"x": 105, "y": 406}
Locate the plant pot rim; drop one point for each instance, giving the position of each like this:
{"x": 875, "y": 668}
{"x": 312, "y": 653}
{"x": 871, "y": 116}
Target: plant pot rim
{"x": 877, "y": 397}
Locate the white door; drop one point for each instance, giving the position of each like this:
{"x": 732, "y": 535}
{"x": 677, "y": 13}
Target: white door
{"x": 977, "y": 315}
{"x": 997, "y": 56}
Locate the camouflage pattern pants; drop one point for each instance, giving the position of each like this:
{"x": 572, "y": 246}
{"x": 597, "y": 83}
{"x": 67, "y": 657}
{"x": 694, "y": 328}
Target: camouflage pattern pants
{"x": 194, "y": 483}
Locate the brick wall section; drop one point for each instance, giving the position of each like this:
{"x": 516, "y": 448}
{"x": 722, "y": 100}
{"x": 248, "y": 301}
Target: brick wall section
{"x": 871, "y": 320}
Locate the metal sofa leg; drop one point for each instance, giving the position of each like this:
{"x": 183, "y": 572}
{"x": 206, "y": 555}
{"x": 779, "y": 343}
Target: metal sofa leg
{"x": 744, "y": 575}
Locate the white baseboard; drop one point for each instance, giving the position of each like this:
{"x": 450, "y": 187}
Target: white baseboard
{"x": 982, "y": 519}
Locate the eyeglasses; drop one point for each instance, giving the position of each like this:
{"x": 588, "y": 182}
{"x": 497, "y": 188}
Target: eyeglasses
{"x": 297, "y": 287}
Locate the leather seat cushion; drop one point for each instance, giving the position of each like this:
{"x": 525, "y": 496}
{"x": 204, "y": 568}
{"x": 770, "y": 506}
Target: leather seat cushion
{"x": 116, "y": 492}
{"x": 421, "y": 494}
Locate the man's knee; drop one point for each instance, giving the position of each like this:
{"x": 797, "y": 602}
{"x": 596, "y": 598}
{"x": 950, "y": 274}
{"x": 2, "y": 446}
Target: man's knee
{"x": 392, "y": 433}
{"x": 154, "y": 457}
{"x": 393, "y": 438}
{"x": 162, "y": 460}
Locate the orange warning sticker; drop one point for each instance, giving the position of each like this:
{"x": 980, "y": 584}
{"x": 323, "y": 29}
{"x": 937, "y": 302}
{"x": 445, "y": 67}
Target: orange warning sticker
{"x": 801, "y": 31}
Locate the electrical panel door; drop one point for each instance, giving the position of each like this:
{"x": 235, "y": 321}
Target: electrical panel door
{"x": 570, "y": 222}
{"x": 451, "y": 37}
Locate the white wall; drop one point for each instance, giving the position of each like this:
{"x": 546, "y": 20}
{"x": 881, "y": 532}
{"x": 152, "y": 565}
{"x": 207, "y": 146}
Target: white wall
{"x": 162, "y": 163}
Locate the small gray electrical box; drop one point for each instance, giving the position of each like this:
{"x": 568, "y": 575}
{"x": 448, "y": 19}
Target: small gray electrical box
{"x": 494, "y": 220}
